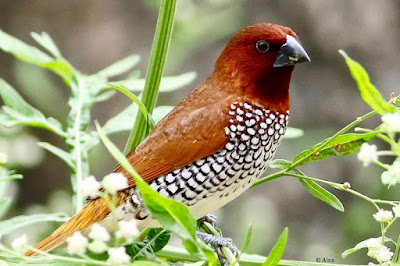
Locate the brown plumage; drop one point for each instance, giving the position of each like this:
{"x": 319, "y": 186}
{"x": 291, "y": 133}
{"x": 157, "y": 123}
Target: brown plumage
{"x": 247, "y": 73}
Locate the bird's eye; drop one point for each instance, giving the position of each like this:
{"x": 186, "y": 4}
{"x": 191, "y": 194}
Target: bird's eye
{"x": 262, "y": 46}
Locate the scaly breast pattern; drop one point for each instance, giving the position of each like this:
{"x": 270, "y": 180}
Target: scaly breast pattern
{"x": 211, "y": 182}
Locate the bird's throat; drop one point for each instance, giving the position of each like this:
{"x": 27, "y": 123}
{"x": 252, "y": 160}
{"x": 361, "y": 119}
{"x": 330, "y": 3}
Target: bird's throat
{"x": 271, "y": 89}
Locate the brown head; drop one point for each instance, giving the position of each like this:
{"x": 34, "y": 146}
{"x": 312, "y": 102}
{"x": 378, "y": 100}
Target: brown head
{"x": 258, "y": 62}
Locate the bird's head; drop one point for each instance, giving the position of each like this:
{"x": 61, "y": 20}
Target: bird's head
{"x": 260, "y": 59}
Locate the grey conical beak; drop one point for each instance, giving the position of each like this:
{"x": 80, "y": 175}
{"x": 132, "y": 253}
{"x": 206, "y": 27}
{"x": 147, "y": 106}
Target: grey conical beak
{"x": 291, "y": 53}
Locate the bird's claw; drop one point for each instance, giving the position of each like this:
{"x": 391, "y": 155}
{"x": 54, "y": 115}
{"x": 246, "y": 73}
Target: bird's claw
{"x": 218, "y": 241}
{"x": 209, "y": 218}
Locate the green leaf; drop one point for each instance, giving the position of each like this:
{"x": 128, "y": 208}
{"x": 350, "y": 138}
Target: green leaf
{"x": 161, "y": 238}
{"x": 167, "y": 84}
{"x": 279, "y": 164}
{"x": 277, "y": 251}
{"x": 155, "y": 240}
{"x": 293, "y": 133}
{"x": 17, "y": 222}
{"x": 342, "y": 145}
{"x": 120, "y": 67}
{"x": 45, "y": 40}
{"x": 19, "y": 112}
{"x": 361, "y": 245}
{"x": 247, "y": 240}
{"x": 63, "y": 155}
{"x": 136, "y": 100}
{"x": 33, "y": 55}
{"x": 322, "y": 194}
{"x": 172, "y": 215}
{"x": 368, "y": 92}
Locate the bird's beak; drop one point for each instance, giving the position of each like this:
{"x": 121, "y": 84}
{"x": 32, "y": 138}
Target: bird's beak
{"x": 291, "y": 53}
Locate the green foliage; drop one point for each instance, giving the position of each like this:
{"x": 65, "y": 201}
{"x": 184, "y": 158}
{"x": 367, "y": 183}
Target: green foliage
{"x": 172, "y": 215}
{"x": 18, "y": 222}
{"x": 368, "y": 92}
{"x": 277, "y": 251}
{"x": 321, "y": 193}
{"x": 87, "y": 90}
{"x": 341, "y": 145}
{"x": 155, "y": 68}
{"x": 155, "y": 240}
{"x": 18, "y": 112}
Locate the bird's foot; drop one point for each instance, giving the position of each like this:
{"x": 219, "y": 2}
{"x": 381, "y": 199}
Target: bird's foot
{"x": 218, "y": 242}
{"x": 209, "y": 218}
{"x": 215, "y": 240}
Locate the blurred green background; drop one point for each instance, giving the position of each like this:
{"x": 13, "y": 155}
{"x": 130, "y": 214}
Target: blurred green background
{"x": 324, "y": 98}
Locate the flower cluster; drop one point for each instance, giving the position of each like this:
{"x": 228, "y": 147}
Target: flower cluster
{"x": 368, "y": 154}
{"x": 98, "y": 239}
{"x": 112, "y": 183}
{"x": 98, "y": 242}
{"x": 378, "y": 251}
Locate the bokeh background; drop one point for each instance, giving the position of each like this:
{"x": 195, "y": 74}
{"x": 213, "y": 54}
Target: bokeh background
{"x": 93, "y": 34}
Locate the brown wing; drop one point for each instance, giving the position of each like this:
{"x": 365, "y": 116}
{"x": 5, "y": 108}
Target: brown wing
{"x": 194, "y": 129}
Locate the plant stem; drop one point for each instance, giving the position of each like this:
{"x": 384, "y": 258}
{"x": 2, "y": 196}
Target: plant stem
{"x": 155, "y": 68}
{"x": 179, "y": 254}
{"x": 76, "y": 152}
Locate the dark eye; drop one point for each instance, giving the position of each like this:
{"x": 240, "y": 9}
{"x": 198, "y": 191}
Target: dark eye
{"x": 262, "y": 46}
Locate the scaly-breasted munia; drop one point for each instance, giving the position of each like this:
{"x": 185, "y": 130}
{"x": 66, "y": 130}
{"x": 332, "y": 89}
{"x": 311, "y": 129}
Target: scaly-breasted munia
{"x": 215, "y": 143}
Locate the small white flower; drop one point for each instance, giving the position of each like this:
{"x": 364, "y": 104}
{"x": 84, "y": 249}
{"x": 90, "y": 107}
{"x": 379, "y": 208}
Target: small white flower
{"x": 97, "y": 246}
{"x": 367, "y": 154}
{"x": 392, "y": 175}
{"x": 98, "y": 232}
{"x": 396, "y": 210}
{"x": 3, "y": 158}
{"x": 391, "y": 122}
{"x": 383, "y": 254}
{"x": 90, "y": 187}
{"x": 118, "y": 256}
{"x": 383, "y": 216}
{"x": 76, "y": 244}
{"x": 114, "y": 182}
{"x": 20, "y": 243}
{"x": 127, "y": 230}
{"x": 394, "y": 169}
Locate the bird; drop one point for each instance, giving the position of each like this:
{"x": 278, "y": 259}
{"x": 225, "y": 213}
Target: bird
{"x": 217, "y": 141}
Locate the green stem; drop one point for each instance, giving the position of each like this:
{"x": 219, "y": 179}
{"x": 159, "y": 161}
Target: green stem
{"x": 388, "y": 225}
{"x": 178, "y": 254}
{"x": 340, "y": 187}
{"x": 384, "y": 166}
{"x": 322, "y": 146}
{"x": 77, "y": 153}
{"x": 84, "y": 261}
{"x": 155, "y": 68}
{"x": 397, "y": 252}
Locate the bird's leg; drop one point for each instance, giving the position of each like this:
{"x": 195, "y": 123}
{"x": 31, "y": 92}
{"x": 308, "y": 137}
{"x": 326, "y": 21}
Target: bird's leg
{"x": 215, "y": 240}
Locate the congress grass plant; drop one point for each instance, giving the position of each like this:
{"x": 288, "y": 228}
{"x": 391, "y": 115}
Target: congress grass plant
{"x": 123, "y": 244}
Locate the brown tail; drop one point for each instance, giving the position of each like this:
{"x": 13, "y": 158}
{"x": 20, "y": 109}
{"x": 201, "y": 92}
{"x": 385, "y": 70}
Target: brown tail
{"x": 94, "y": 211}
